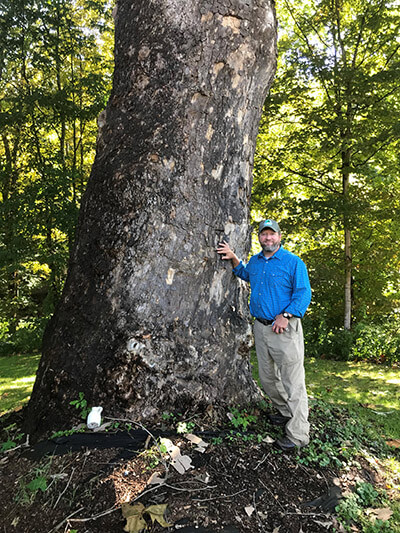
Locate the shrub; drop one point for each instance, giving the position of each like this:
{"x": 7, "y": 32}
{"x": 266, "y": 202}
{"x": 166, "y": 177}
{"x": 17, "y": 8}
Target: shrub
{"x": 372, "y": 342}
{"x": 27, "y": 337}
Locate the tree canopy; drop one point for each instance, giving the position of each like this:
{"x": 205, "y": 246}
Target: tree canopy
{"x": 55, "y": 73}
{"x": 327, "y": 158}
{"x": 326, "y": 164}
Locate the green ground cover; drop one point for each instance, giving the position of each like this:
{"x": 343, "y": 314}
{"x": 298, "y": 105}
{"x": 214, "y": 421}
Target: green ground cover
{"x": 353, "y": 405}
{"x": 371, "y": 391}
{"x": 17, "y": 375}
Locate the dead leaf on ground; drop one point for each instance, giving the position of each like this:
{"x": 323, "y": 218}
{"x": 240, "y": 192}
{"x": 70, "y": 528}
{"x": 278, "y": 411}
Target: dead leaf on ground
{"x": 180, "y": 462}
{"x": 102, "y": 427}
{"x": 135, "y": 522}
{"x": 384, "y": 513}
{"x": 156, "y": 480}
{"x": 249, "y": 510}
{"x": 268, "y": 440}
{"x": 326, "y": 525}
{"x": 156, "y": 513}
{"x": 394, "y": 443}
{"x": 133, "y": 514}
{"x": 200, "y": 444}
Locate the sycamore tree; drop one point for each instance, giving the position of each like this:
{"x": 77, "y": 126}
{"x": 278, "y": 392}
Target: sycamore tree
{"x": 150, "y": 318}
{"x": 327, "y": 158}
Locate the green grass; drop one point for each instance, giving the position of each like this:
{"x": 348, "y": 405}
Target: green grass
{"x": 371, "y": 391}
{"x": 17, "y": 375}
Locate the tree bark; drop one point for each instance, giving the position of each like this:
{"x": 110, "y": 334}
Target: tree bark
{"x": 150, "y": 317}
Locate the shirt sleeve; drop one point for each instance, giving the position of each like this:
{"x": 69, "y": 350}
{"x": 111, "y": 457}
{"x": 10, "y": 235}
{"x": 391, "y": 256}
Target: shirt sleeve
{"x": 241, "y": 271}
{"x": 301, "y": 295}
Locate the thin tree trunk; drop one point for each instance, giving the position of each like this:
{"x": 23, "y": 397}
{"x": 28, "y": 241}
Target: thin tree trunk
{"x": 348, "y": 264}
{"x": 151, "y": 318}
{"x": 348, "y": 275}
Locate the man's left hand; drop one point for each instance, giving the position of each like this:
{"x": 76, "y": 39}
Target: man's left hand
{"x": 280, "y": 325}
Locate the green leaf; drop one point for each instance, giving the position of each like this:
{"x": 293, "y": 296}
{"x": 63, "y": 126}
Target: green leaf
{"x": 39, "y": 483}
{"x": 8, "y": 445}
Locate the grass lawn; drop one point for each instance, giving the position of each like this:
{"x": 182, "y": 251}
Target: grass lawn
{"x": 17, "y": 375}
{"x": 371, "y": 391}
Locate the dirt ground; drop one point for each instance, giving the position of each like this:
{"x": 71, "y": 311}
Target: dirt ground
{"x": 220, "y": 485}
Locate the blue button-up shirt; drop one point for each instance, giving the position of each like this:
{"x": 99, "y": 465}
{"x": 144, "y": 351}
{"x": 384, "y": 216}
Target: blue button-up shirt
{"x": 279, "y": 283}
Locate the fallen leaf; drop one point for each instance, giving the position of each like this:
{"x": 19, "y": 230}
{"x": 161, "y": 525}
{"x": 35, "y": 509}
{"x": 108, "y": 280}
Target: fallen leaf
{"x": 79, "y": 427}
{"x": 326, "y": 525}
{"x": 133, "y": 514}
{"x": 249, "y": 510}
{"x": 156, "y": 512}
{"x": 180, "y": 462}
{"x": 156, "y": 480}
{"x": 276, "y": 529}
{"x": 395, "y": 443}
{"x": 383, "y": 513}
{"x": 201, "y": 445}
{"x": 268, "y": 440}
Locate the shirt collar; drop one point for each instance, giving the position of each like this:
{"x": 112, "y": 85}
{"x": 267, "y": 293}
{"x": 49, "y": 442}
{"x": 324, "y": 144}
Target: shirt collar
{"x": 276, "y": 255}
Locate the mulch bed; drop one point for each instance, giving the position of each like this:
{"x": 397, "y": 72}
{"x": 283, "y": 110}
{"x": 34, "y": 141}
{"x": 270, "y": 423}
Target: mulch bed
{"x": 232, "y": 486}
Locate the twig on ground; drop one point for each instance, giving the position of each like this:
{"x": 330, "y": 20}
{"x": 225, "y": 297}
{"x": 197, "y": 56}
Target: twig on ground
{"x": 262, "y": 461}
{"x": 111, "y": 510}
{"x": 307, "y": 514}
{"x": 260, "y": 524}
{"x": 57, "y": 527}
{"x": 272, "y": 494}
{"x": 95, "y": 517}
{"x": 189, "y": 490}
{"x": 221, "y": 497}
{"x": 67, "y": 485}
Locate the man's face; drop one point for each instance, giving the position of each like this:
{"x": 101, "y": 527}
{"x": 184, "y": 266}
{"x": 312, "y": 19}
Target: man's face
{"x": 269, "y": 240}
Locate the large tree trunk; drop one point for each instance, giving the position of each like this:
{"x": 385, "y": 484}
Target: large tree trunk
{"x": 150, "y": 317}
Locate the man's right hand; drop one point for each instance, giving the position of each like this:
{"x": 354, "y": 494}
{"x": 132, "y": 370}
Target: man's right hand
{"x": 227, "y": 253}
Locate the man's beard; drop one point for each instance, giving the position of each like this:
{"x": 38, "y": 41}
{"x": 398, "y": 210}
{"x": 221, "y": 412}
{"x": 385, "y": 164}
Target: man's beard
{"x": 270, "y": 247}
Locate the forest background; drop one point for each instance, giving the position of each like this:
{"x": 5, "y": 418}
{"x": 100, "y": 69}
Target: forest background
{"x": 326, "y": 165}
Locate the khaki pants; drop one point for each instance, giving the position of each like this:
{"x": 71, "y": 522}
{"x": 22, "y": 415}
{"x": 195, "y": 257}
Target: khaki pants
{"x": 281, "y": 370}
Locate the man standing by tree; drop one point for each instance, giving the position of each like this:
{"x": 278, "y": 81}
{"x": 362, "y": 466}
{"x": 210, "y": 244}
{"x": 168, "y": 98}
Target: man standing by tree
{"x": 280, "y": 295}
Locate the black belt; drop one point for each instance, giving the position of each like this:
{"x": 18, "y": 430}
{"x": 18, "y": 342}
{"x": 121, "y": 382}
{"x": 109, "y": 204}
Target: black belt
{"x": 265, "y": 322}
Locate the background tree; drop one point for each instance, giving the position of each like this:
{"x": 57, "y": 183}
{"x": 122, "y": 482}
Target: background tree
{"x": 54, "y": 79}
{"x": 327, "y": 157}
{"x": 150, "y": 318}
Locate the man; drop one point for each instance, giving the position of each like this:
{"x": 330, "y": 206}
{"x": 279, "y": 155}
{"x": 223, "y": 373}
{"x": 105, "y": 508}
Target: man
{"x": 280, "y": 295}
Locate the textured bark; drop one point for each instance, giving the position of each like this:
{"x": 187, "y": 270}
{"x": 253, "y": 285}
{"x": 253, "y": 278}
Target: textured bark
{"x": 150, "y": 317}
